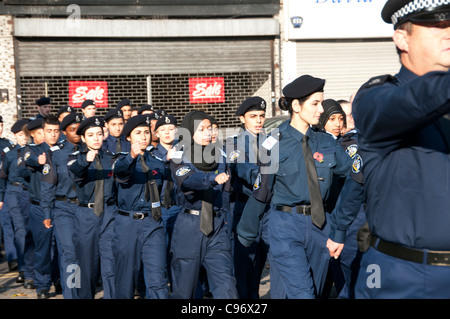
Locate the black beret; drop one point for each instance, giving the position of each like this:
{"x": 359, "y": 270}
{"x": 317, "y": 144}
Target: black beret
{"x": 145, "y": 107}
{"x": 123, "y": 103}
{"x": 399, "y": 11}
{"x": 93, "y": 121}
{"x": 135, "y": 121}
{"x": 166, "y": 120}
{"x": 159, "y": 113}
{"x": 35, "y": 124}
{"x": 113, "y": 114}
{"x": 43, "y": 101}
{"x": 18, "y": 126}
{"x": 87, "y": 103}
{"x": 303, "y": 86}
{"x": 72, "y": 118}
{"x": 65, "y": 109}
{"x": 254, "y": 103}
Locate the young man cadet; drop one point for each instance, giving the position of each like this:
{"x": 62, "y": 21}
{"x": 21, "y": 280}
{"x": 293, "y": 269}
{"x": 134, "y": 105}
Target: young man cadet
{"x": 406, "y": 152}
{"x": 125, "y": 106}
{"x": 139, "y": 230}
{"x": 15, "y": 201}
{"x": 88, "y": 109}
{"x": 243, "y": 157}
{"x": 43, "y": 106}
{"x": 115, "y": 142}
{"x": 91, "y": 169}
{"x": 59, "y": 200}
{"x": 45, "y": 254}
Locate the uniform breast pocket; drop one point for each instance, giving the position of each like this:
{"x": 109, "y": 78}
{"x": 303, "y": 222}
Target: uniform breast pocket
{"x": 324, "y": 166}
{"x": 289, "y": 167}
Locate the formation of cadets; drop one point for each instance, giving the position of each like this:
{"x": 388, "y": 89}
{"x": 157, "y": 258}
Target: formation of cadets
{"x": 146, "y": 207}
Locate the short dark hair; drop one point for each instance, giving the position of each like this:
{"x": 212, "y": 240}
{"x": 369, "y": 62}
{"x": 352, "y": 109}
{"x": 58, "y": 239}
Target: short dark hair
{"x": 51, "y": 120}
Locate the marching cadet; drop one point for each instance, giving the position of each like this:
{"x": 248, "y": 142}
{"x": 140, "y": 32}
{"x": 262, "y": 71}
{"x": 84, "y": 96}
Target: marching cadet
{"x": 88, "y": 109}
{"x": 166, "y": 130}
{"x": 7, "y": 231}
{"x": 138, "y": 228}
{"x": 63, "y": 111}
{"x": 59, "y": 200}
{"x": 200, "y": 235}
{"x": 91, "y": 169}
{"x": 45, "y": 254}
{"x": 125, "y": 106}
{"x": 405, "y": 143}
{"x": 44, "y": 106}
{"x": 146, "y": 109}
{"x": 243, "y": 156}
{"x": 298, "y": 227}
{"x": 15, "y": 201}
{"x": 115, "y": 142}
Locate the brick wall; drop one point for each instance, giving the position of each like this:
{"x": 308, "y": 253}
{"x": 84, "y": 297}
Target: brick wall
{"x": 170, "y": 92}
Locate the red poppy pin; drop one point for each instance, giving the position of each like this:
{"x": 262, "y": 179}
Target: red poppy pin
{"x": 318, "y": 157}
{"x": 154, "y": 172}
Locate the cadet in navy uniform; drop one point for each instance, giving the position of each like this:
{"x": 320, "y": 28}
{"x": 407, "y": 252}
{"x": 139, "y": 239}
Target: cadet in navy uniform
{"x": 200, "y": 235}
{"x": 298, "y": 228}
{"x": 88, "y": 109}
{"x": 138, "y": 228}
{"x": 166, "y": 130}
{"x": 242, "y": 154}
{"x": 45, "y": 255}
{"x": 44, "y": 106}
{"x": 91, "y": 169}
{"x": 125, "y": 106}
{"x": 15, "y": 198}
{"x": 115, "y": 142}
{"x": 407, "y": 159}
{"x": 7, "y": 231}
{"x": 59, "y": 200}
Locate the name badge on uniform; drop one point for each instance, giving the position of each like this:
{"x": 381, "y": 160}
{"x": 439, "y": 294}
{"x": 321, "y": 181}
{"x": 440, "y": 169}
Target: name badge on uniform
{"x": 269, "y": 143}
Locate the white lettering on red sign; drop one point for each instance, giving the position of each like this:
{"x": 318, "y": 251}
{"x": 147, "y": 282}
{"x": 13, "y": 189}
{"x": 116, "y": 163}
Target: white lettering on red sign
{"x": 206, "y": 90}
{"x": 79, "y": 91}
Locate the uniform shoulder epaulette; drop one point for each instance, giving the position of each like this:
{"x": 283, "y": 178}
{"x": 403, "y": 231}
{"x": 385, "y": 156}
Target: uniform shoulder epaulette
{"x": 75, "y": 153}
{"x": 54, "y": 148}
{"x": 379, "y": 80}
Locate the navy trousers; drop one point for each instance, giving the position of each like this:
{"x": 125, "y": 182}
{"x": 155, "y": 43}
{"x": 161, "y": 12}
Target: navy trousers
{"x": 8, "y": 233}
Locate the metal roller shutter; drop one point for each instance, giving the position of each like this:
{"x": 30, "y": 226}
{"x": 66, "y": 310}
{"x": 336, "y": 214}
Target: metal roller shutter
{"x": 346, "y": 65}
{"x": 142, "y": 57}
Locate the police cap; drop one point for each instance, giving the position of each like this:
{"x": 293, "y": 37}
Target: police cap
{"x": 65, "y": 109}
{"x": 35, "y": 124}
{"x": 303, "y": 86}
{"x": 399, "y": 11}
{"x": 87, "y": 103}
{"x": 254, "y": 103}
{"x": 113, "y": 114}
{"x": 43, "y": 101}
{"x": 136, "y": 121}
{"x": 94, "y": 121}
{"x": 166, "y": 120}
{"x": 145, "y": 107}
{"x": 72, "y": 118}
{"x": 18, "y": 126}
{"x": 123, "y": 103}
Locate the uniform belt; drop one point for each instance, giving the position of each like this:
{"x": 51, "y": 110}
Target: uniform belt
{"x": 92, "y": 205}
{"x": 19, "y": 184}
{"x": 299, "y": 209}
{"x": 35, "y": 202}
{"x": 66, "y": 199}
{"x": 422, "y": 256}
{"x": 196, "y": 212}
{"x": 135, "y": 215}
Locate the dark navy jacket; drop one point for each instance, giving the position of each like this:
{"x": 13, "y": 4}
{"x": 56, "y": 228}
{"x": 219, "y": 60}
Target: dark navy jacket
{"x": 109, "y": 144}
{"x": 13, "y": 169}
{"x": 406, "y": 157}
{"x": 31, "y": 154}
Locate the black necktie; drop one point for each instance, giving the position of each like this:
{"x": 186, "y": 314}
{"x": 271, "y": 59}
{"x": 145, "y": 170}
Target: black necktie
{"x": 118, "y": 145}
{"x": 317, "y": 212}
{"x": 168, "y": 194}
{"x": 99, "y": 183}
{"x": 151, "y": 191}
{"x": 206, "y": 217}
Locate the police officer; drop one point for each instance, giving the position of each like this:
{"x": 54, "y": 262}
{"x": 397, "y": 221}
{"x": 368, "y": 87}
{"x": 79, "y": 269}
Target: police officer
{"x": 45, "y": 254}
{"x": 200, "y": 236}
{"x": 59, "y": 200}
{"x": 7, "y": 231}
{"x": 242, "y": 155}
{"x": 15, "y": 198}
{"x": 115, "y": 142}
{"x": 407, "y": 159}
{"x": 91, "y": 169}
{"x": 295, "y": 182}
{"x": 138, "y": 228}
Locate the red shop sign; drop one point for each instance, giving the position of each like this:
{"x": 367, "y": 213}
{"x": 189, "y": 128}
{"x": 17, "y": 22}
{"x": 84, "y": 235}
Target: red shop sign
{"x": 206, "y": 90}
{"x": 79, "y": 91}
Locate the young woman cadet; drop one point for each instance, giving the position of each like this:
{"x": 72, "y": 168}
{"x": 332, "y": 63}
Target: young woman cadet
{"x": 200, "y": 235}
{"x": 298, "y": 227}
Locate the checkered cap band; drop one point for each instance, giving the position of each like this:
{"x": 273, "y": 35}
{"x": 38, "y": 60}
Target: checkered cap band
{"x": 415, "y": 6}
